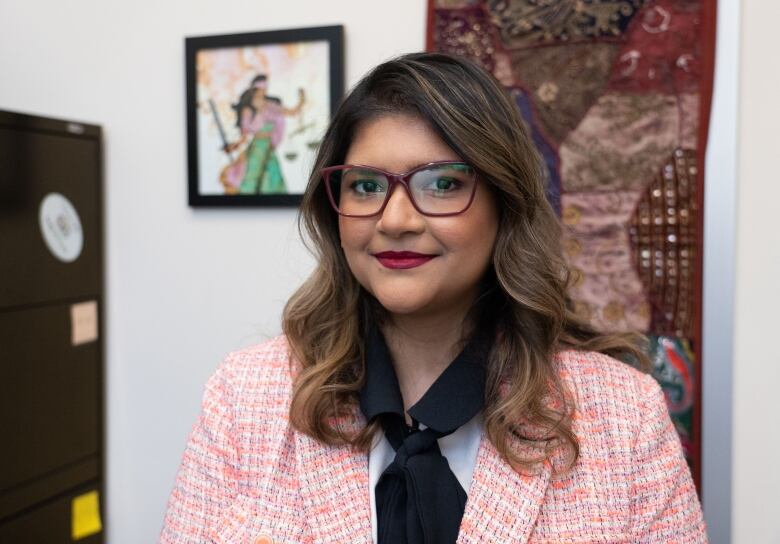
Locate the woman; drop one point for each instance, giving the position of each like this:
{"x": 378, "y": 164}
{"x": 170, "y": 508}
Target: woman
{"x": 432, "y": 383}
{"x": 260, "y": 118}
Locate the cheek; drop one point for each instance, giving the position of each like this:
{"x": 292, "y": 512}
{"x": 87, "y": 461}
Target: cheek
{"x": 350, "y": 233}
{"x": 475, "y": 248}
{"x": 355, "y": 236}
{"x": 474, "y": 236}
{"x": 485, "y": 229}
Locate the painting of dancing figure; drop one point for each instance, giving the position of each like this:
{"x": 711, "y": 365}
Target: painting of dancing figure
{"x": 258, "y": 105}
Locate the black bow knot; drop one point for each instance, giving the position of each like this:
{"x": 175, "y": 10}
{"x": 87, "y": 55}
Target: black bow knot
{"x": 419, "y": 500}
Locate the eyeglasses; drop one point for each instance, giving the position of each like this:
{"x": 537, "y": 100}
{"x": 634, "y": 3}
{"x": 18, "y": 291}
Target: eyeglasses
{"x": 436, "y": 189}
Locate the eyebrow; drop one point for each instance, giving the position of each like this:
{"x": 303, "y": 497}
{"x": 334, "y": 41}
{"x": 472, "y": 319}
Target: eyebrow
{"x": 407, "y": 167}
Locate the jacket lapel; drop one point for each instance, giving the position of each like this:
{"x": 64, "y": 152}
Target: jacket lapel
{"x": 502, "y": 505}
{"x": 334, "y": 488}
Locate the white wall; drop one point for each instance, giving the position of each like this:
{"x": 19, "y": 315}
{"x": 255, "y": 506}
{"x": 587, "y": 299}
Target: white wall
{"x": 718, "y": 321}
{"x": 756, "y": 409}
{"x": 184, "y": 286}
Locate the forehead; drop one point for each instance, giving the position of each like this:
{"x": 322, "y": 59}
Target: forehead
{"x": 398, "y": 143}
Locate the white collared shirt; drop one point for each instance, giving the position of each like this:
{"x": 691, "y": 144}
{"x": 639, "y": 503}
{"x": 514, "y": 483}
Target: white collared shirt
{"x": 459, "y": 448}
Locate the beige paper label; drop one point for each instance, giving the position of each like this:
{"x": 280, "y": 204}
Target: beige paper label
{"x": 84, "y": 322}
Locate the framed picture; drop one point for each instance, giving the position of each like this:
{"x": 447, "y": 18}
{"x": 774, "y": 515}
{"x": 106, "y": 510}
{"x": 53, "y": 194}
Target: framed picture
{"x": 258, "y": 105}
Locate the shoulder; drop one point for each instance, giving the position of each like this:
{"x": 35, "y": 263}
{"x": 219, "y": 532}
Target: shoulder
{"x": 256, "y": 375}
{"x": 630, "y": 481}
{"x": 605, "y": 388}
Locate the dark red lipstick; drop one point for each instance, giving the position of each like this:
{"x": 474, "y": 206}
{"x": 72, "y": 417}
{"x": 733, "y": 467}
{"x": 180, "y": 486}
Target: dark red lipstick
{"x": 402, "y": 259}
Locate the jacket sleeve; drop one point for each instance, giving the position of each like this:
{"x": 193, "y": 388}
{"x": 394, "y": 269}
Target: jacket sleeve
{"x": 206, "y": 483}
{"x": 664, "y": 504}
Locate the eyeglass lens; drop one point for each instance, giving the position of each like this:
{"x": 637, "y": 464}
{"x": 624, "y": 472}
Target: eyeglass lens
{"x": 437, "y": 189}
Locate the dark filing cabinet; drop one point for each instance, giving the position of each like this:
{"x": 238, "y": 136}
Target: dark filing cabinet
{"x": 51, "y": 347}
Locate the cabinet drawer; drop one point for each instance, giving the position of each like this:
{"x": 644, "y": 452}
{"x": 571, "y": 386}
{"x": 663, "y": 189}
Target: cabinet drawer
{"x": 34, "y": 165}
{"x": 50, "y": 398}
{"x": 51, "y": 523}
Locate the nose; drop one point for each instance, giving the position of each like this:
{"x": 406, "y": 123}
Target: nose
{"x": 400, "y": 216}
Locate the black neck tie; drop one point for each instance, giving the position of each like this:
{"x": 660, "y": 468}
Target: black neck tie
{"x": 418, "y": 498}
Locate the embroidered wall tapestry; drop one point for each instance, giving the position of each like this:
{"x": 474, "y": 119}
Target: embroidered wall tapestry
{"x": 616, "y": 94}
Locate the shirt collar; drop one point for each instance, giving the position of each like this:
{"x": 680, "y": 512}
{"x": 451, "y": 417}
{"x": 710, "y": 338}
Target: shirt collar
{"x": 456, "y": 396}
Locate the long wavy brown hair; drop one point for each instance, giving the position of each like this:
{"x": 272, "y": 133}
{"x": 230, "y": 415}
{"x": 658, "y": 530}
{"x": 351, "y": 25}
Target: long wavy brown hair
{"x": 531, "y": 317}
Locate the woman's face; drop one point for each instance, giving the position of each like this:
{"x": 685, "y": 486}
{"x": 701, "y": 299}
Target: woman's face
{"x": 258, "y": 98}
{"x": 457, "y": 250}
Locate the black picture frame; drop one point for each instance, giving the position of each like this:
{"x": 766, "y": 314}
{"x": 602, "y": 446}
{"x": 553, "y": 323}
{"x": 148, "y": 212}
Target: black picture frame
{"x": 270, "y": 188}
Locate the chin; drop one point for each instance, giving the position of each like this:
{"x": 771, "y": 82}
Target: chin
{"x": 400, "y": 307}
{"x": 397, "y": 302}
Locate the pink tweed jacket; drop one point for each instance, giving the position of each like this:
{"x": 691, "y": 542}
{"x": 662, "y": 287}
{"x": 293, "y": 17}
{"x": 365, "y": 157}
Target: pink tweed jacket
{"x": 248, "y": 477}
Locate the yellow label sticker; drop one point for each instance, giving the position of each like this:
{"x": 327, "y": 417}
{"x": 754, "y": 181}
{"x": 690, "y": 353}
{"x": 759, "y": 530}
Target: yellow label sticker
{"x": 85, "y": 515}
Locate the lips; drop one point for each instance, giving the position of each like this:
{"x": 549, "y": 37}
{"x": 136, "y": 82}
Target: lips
{"x": 402, "y": 259}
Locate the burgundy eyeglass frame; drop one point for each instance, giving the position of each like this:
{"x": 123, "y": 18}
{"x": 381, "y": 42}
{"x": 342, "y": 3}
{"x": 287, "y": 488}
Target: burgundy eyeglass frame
{"x": 392, "y": 180}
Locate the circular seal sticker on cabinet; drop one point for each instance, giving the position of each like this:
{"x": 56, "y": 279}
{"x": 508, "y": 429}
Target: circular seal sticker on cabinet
{"x": 61, "y": 227}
